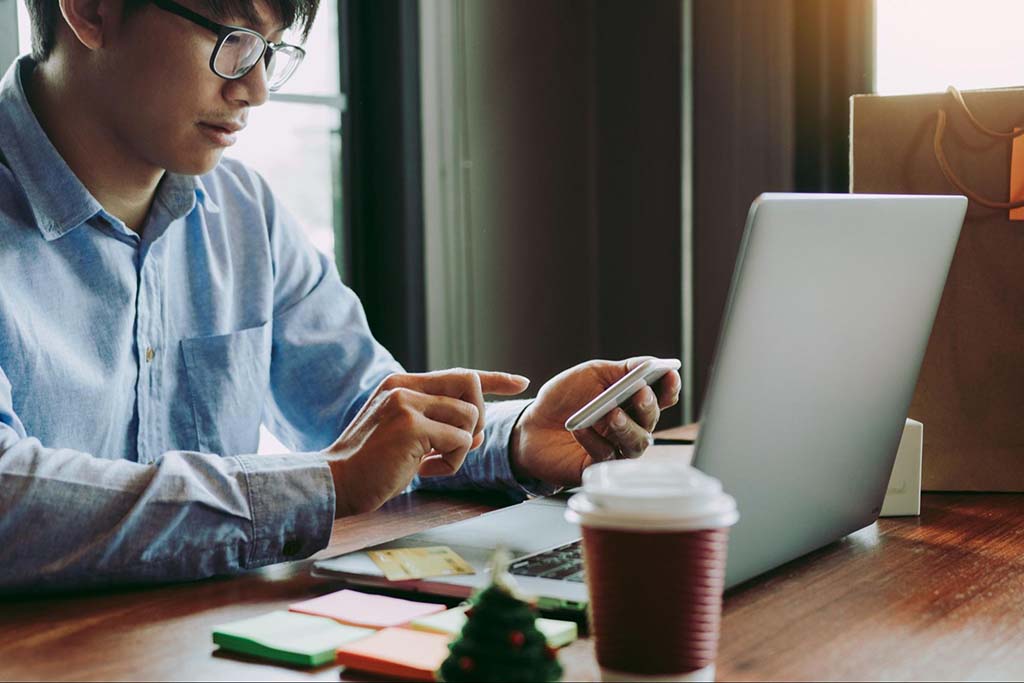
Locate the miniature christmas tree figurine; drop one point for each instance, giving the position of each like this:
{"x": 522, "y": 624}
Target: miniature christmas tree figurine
{"x": 500, "y": 641}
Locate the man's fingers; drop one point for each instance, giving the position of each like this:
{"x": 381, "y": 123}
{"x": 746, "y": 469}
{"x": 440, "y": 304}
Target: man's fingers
{"x": 435, "y": 466}
{"x": 449, "y": 446}
{"x": 502, "y": 383}
{"x": 629, "y": 438}
{"x": 459, "y": 382}
{"x": 643, "y": 406}
{"x": 611, "y": 371}
{"x": 453, "y": 411}
{"x": 668, "y": 388}
{"x": 444, "y": 426}
{"x": 597, "y": 446}
{"x": 463, "y": 384}
{"x": 478, "y": 441}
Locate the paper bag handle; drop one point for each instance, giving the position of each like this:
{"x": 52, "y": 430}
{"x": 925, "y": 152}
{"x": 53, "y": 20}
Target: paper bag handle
{"x": 947, "y": 170}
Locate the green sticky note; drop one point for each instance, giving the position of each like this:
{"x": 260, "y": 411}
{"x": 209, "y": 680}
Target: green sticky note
{"x": 288, "y": 637}
{"x": 557, "y": 633}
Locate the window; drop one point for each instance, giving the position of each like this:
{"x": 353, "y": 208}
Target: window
{"x": 294, "y": 140}
{"x": 24, "y": 29}
{"x": 927, "y": 45}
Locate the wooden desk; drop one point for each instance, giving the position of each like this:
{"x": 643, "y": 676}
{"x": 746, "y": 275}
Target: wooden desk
{"x": 940, "y": 597}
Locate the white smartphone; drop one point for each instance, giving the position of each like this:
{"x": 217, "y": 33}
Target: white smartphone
{"x": 648, "y": 372}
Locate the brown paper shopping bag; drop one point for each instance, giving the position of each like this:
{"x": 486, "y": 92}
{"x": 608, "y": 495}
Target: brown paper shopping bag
{"x": 970, "y": 395}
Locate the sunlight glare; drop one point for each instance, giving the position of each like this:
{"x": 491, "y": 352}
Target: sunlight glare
{"x": 927, "y": 45}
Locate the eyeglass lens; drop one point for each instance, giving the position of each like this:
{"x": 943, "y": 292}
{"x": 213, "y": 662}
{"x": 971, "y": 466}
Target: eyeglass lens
{"x": 240, "y": 50}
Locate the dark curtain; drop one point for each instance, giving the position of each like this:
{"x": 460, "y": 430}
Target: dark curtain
{"x": 833, "y": 45}
{"x": 771, "y": 87}
{"x": 381, "y": 171}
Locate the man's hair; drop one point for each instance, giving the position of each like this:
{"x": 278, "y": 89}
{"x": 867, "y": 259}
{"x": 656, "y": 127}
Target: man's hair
{"x": 46, "y": 13}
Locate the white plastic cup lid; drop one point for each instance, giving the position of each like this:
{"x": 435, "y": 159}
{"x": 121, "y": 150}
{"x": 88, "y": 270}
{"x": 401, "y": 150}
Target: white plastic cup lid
{"x": 651, "y": 494}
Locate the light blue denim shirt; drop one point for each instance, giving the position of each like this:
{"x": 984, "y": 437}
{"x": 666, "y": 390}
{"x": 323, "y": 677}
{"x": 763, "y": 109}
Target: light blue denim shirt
{"x": 135, "y": 374}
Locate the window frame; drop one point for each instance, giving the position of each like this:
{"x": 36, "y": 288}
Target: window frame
{"x": 381, "y": 148}
{"x": 8, "y": 32}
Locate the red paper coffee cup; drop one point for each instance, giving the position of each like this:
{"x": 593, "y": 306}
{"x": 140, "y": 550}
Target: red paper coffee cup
{"x": 655, "y": 536}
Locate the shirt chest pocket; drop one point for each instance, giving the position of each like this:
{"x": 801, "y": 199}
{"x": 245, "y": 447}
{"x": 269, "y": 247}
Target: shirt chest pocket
{"x": 228, "y": 377}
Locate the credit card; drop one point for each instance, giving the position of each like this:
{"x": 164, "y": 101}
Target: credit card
{"x": 402, "y": 564}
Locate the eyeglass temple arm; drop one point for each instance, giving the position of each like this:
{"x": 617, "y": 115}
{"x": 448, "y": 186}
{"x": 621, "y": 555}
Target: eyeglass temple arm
{"x": 186, "y": 13}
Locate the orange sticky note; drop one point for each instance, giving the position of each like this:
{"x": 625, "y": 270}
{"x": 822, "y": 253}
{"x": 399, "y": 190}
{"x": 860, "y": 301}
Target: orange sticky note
{"x": 397, "y": 652}
{"x": 1017, "y": 175}
{"x": 363, "y": 609}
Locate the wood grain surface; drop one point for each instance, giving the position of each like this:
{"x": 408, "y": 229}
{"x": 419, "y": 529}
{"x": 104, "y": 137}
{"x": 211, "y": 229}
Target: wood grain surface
{"x": 935, "y": 597}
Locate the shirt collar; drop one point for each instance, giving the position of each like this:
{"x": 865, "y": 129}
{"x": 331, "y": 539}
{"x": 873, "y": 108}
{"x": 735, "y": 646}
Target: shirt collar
{"x": 59, "y": 200}
{"x": 203, "y": 195}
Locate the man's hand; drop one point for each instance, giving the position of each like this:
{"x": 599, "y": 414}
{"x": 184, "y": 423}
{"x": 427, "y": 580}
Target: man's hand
{"x": 542, "y": 448}
{"x": 413, "y": 423}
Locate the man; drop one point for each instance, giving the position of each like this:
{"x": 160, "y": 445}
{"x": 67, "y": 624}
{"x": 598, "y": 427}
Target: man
{"x": 157, "y": 305}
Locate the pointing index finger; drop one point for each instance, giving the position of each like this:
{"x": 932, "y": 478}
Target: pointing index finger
{"x": 502, "y": 383}
{"x": 464, "y": 384}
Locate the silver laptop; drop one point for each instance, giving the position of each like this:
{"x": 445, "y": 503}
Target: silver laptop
{"x": 829, "y": 313}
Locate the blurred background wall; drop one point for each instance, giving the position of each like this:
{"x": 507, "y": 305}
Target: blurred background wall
{"x": 588, "y": 166}
{"x": 554, "y": 202}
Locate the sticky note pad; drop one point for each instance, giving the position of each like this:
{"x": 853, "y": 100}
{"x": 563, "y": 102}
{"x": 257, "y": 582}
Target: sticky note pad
{"x": 402, "y": 564}
{"x": 288, "y": 637}
{"x": 449, "y": 622}
{"x": 557, "y": 633}
{"x": 362, "y": 609}
{"x": 397, "y": 652}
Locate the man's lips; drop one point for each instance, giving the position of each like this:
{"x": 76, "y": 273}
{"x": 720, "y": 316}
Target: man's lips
{"x": 222, "y": 134}
{"x": 227, "y": 126}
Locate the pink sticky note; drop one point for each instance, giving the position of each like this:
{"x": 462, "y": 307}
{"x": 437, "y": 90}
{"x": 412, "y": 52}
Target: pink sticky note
{"x": 362, "y": 609}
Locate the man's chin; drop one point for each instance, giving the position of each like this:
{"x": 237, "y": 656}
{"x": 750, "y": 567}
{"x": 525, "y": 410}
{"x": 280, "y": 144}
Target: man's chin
{"x": 197, "y": 164}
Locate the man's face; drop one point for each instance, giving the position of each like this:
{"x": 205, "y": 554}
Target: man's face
{"x": 165, "y": 106}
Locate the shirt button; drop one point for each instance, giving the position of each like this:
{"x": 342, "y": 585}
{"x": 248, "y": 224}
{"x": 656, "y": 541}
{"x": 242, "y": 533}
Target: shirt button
{"x": 292, "y": 547}
{"x": 150, "y": 354}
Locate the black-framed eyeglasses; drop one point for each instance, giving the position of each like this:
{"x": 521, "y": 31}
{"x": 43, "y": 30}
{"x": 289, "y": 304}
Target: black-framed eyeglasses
{"x": 239, "y": 49}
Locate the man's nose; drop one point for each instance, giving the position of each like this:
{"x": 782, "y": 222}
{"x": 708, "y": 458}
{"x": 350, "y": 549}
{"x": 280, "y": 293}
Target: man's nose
{"x": 252, "y": 87}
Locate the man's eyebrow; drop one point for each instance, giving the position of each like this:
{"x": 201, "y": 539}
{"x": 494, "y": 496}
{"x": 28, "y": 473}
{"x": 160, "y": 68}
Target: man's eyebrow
{"x": 233, "y": 19}
{"x": 259, "y": 27}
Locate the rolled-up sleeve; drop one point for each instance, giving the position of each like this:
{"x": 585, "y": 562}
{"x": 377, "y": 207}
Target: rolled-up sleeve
{"x": 72, "y": 520}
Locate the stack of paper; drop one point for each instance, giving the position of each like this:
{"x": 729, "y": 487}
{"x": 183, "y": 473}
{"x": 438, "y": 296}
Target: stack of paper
{"x": 310, "y": 634}
{"x": 397, "y": 652}
{"x": 287, "y": 637}
{"x": 557, "y": 633}
{"x": 362, "y": 609}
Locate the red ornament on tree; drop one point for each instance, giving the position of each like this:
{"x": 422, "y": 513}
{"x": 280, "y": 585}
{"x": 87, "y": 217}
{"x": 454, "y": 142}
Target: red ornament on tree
{"x": 466, "y": 663}
{"x": 517, "y": 638}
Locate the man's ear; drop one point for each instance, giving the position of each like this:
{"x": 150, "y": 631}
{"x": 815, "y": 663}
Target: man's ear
{"x": 91, "y": 21}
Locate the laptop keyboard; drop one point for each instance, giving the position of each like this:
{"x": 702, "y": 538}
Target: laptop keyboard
{"x": 564, "y": 562}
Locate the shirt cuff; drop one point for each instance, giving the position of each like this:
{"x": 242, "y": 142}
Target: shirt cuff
{"x": 292, "y": 501}
{"x": 504, "y": 416}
